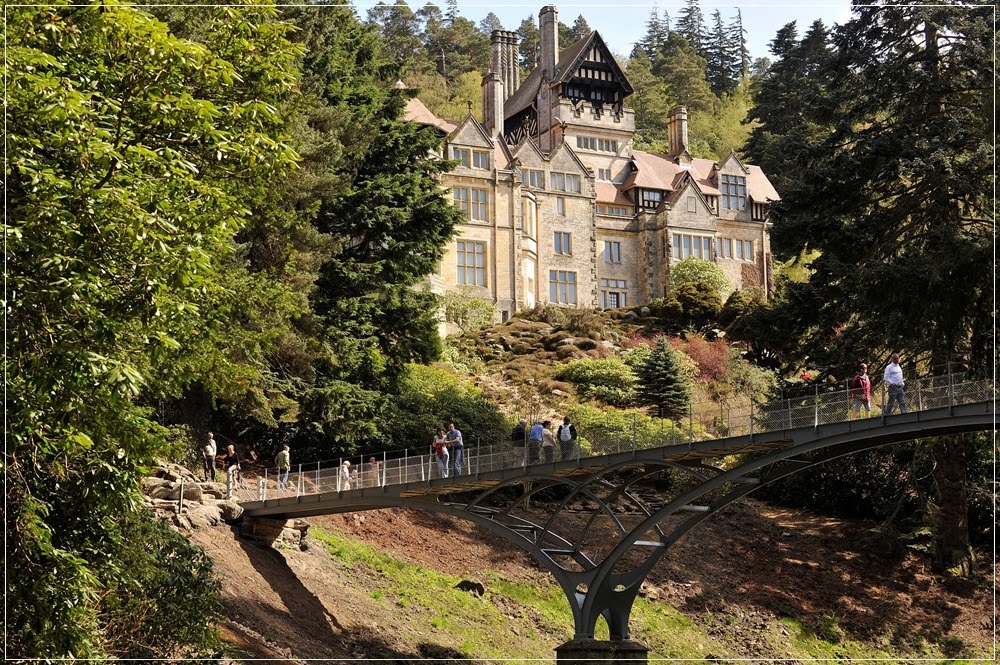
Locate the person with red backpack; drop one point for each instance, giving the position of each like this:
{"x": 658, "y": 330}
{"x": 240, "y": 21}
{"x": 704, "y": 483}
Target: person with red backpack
{"x": 860, "y": 392}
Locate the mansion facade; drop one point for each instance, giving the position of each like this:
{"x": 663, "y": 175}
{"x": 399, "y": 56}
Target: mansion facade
{"x": 559, "y": 207}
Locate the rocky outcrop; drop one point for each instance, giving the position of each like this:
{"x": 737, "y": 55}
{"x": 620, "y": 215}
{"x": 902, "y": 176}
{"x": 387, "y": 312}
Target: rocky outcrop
{"x": 176, "y": 495}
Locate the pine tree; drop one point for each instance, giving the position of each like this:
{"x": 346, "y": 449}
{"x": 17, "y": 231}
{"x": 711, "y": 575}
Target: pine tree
{"x": 683, "y": 71}
{"x": 740, "y": 55}
{"x": 792, "y": 107}
{"x": 650, "y": 103}
{"x": 400, "y": 29}
{"x": 719, "y": 67}
{"x": 490, "y": 23}
{"x": 898, "y": 200}
{"x": 580, "y": 28}
{"x": 662, "y": 382}
{"x": 691, "y": 26}
{"x": 655, "y": 35}
{"x": 529, "y": 44}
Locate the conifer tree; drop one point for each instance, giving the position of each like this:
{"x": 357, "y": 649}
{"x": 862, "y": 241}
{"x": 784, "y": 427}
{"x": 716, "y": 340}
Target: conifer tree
{"x": 719, "y": 67}
{"x": 691, "y": 26}
{"x": 650, "y": 103}
{"x": 897, "y": 197}
{"x": 490, "y": 23}
{"x": 663, "y": 383}
{"x": 529, "y": 43}
{"x": 580, "y": 28}
{"x": 740, "y": 55}
{"x": 683, "y": 71}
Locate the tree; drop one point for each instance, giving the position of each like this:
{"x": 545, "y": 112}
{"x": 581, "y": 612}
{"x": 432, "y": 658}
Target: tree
{"x": 650, "y": 103}
{"x": 693, "y": 269}
{"x": 134, "y": 157}
{"x": 741, "y": 52}
{"x": 580, "y": 28}
{"x": 792, "y": 107}
{"x": 466, "y": 311}
{"x": 663, "y": 383}
{"x": 399, "y": 27}
{"x": 490, "y": 23}
{"x": 390, "y": 226}
{"x": 718, "y": 52}
{"x": 654, "y": 38}
{"x": 684, "y": 73}
{"x": 691, "y": 26}
{"x": 910, "y": 105}
{"x": 529, "y": 45}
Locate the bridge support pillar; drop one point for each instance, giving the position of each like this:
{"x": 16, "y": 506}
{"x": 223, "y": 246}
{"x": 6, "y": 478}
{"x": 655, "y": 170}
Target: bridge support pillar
{"x": 583, "y": 651}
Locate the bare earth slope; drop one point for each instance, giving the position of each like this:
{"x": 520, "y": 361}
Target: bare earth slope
{"x": 733, "y": 576}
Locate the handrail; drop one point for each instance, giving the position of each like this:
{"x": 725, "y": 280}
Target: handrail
{"x": 705, "y": 421}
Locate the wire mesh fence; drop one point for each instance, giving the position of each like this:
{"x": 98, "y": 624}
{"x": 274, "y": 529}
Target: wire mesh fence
{"x": 702, "y": 422}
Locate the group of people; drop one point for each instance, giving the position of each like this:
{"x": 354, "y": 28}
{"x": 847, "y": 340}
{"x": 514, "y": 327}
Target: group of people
{"x": 233, "y": 468}
{"x": 447, "y": 446}
{"x": 539, "y": 440}
{"x": 349, "y": 477}
{"x": 860, "y": 389}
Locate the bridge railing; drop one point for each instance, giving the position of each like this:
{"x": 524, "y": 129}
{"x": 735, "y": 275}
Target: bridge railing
{"x": 702, "y": 421}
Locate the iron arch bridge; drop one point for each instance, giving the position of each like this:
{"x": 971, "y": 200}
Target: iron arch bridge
{"x": 588, "y": 495}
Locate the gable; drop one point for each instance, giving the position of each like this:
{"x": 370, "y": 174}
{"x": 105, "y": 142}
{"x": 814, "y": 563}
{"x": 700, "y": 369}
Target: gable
{"x": 679, "y": 198}
{"x": 470, "y": 133}
{"x": 564, "y": 159}
{"x": 732, "y": 165}
{"x": 528, "y": 154}
{"x": 589, "y": 62}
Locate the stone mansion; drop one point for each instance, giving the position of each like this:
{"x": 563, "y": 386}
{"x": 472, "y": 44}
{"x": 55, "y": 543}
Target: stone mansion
{"x": 559, "y": 207}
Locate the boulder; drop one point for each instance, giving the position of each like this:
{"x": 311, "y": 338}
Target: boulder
{"x": 168, "y": 490}
{"x": 644, "y": 311}
{"x": 230, "y": 510}
{"x": 215, "y": 490}
{"x": 202, "y": 516}
{"x": 149, "y": 484}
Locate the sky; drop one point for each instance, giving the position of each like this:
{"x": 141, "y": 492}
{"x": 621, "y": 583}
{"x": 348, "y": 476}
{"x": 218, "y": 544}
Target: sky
{"x": 622, "y": 24}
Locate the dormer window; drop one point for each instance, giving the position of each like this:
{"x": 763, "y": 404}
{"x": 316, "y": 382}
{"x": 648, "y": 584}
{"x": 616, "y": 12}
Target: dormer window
{"x": 651, "y": 198}
{"x": 734, "y": 192}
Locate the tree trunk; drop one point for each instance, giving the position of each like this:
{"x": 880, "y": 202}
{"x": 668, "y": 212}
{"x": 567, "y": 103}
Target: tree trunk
{"x": 950, "y": 512}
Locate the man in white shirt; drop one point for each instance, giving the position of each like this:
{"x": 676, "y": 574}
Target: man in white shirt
{"x": 893, "y": 377}
{"x": 208, "y": 453}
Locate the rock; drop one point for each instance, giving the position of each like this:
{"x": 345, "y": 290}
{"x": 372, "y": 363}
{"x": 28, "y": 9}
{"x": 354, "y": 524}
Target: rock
{"x": 558, "y": 393}
{"x": 166, "y": 491}
{"x": 202, "y": 516}
{"x": 181, "y": 521}
{"x": 149, "y": 484}
{"x": 477, "y": 589}
{"x": 649, "y": 591}
{"x": 631, "y": 315}
{"x": 230, "y": 510}
{"x": 215, "y": 490}
{"x": 605, "y": 344}
{"x": 192, "y": 491}
{"x": 644, "y": 311}
{"x": 565, "y": 342}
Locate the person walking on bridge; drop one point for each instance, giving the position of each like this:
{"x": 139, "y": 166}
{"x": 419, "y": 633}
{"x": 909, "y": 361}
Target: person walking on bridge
{"x": 518, "y": 440}
{"x": 893, "y": 377}
{"x": 283, "y": 462}
{"x": 567, "y": 439}
{"x": 535, "y": 442}
{"x": 860, "y": 392}
{"x": 439, "y": 448}
{"x": 548, "y": 441}
{"x": 454, "y": 438}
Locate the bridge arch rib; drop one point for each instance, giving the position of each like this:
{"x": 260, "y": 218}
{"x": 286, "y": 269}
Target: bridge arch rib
{"x": 607, "y": 585}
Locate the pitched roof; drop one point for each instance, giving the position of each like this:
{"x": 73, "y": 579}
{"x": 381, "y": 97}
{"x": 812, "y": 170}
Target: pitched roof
{"x": 609, "y": 192}
{"x": 652, "y": 172}
{"x": 759, "y": 187}
{"x": 417, "y": 112}
{"x": 569, "y": 60}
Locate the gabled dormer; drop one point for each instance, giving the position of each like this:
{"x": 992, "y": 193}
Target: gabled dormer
{"x": 532, "y": 163}
{"x": 470, "y": 145}
{"x": 588, "y": 72}
{"x": 688, "y": 199}
{"x": 731, "y": 179}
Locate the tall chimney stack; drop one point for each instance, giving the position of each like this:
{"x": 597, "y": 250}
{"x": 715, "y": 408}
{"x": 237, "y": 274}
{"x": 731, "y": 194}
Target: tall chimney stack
{"x": 548, "y": 26}
{"x": 493, "y": 99}
{"x": 677, "y": 130}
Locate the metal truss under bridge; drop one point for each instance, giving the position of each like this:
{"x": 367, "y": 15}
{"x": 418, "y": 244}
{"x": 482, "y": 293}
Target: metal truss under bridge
{"x": 580, "y": 500}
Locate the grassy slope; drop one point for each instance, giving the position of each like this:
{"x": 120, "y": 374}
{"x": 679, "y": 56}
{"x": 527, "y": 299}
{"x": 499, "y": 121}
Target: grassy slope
{"x": 528, "y": 619}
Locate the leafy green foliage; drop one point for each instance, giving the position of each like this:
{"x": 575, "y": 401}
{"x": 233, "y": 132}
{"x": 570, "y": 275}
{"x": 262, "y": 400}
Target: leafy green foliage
{"x": 693, "y": 269}
{"x": 134, "y": 156}
{"x": 466, "y": 311}
{"x": 607, "y": 379}
{"x": 429, "y": 398}
{"x": 700, "y": 304}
